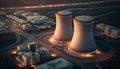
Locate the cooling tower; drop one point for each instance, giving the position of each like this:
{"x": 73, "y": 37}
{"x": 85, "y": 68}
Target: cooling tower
{"x": 63, "y": 31}
{"x": 83, "y": 40}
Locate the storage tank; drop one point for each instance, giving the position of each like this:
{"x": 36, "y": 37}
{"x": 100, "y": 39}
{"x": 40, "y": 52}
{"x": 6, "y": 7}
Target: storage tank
{"x": 83, "y": 40}
{"x": 63, "y": 31}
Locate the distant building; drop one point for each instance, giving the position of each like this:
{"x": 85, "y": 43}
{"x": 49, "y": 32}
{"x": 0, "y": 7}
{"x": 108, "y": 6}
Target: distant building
{"x": 28, "y": 58}
{"x": 3, "y": 27}
{"x": 108, "y": 29}
{"x": 22, "y": 48}
{"x": 27, "y": 26}
{"x": 44, "y": 53}
{"x": 18, "y": 12}
{"x": 17, "y": 19}
{"x": 32, "y": 54}
{"x": 32, "y": 46}
{"x": 115, "y": 33}
{"x": 29, "y": 21}
{"x": 59, "y": 63}
{"x": 100, "y": 26}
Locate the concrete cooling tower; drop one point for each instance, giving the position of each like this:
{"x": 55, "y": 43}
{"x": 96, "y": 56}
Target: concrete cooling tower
{"x": 63, "y": 31}
{"x": 83, "y": 40}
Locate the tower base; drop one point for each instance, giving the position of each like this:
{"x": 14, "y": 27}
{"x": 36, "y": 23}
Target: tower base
{"x": 106, "y": 51}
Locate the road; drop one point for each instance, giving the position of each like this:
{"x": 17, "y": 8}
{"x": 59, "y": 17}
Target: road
{"x": 80, "y": 4}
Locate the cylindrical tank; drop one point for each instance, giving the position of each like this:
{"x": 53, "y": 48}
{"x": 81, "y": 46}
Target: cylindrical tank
{"x": 83, "y": 40}
{"x": 63, "y": 31}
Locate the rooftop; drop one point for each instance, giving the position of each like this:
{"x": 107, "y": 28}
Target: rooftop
{"x": 55, "y": 64}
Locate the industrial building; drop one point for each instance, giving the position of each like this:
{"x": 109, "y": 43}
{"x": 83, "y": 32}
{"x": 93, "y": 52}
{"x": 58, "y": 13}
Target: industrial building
{"x": 32, "y": 46}
{"x": 63, "y": 30}
{"x": 100, "y": 26}
{"x": 31, "y": 54}
{"x": 18, "y": 12}
{"x": 108, "y": 30}
{"x": 15, "y": 18}
{"x": 26, "y": 59}
{"x": 44, "y": 53}
{"x": 83, "y": 40}
{"x": 115, "y": 33}
{"x": 37, "y": 21}
{"x": 22, "y": 48}
{"x": 3, "y": 27}
{"x": 32, "y": 58}
{"x": 33, "y": 18}
{"x": 29, "y": 21}
{"x": 59, "y": 63}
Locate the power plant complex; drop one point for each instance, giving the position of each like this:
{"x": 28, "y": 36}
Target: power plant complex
{"x": 73, "y": 38}
{"x": 81, "y": 40}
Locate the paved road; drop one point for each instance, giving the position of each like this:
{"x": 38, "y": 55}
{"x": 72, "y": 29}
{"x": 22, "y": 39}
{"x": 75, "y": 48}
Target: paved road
{"x": 80, "y": 4}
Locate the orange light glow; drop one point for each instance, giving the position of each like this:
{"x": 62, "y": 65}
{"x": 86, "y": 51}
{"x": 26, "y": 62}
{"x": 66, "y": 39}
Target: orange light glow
{"x": 88, "y": 55}
{"x": 98, "y": 51}
{"x": 32, "y": 65}
{"x": 14, "y": 52}
{"x": 85, "y": 55}
{"x": 91, "y": 54}
{"x": 54, "y": 55}
{"x": 20, "y": 65}
{"x": 52, "y": 40}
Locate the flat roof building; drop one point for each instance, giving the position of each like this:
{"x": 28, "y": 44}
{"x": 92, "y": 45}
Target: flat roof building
{"x": 115, "y": 33}
{"x": 59, "y": 63}
{"x": 3, "y": 27}
{"x": 108, "y": 30}
{"x": 44, "y": 53}
{"x": 100, "y": 26}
